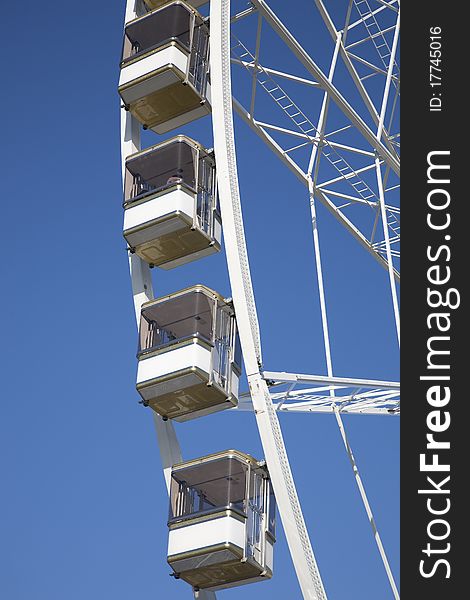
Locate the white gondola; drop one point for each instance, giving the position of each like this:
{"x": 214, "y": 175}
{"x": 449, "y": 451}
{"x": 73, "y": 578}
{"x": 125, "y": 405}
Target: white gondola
{"x": 222, "y": 521}
{"x": 189, "y": 354}
{"x": 152, "y": 4}
{"x": 171, "y": 215}
{"x": 164, "y": 68}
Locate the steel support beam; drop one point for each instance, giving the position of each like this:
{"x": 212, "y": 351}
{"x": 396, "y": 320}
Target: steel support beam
{"x": 277, "y": 25}
{"x": 322, "y": 195}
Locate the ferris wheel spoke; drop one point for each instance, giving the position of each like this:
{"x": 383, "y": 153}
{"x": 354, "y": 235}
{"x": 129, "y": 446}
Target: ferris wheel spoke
{"x": 352, "y": 395}
{"x": 365, "y": 501}
{"x": 346, "y": 57}
{"x": 329, "y": 363}
{"x": 322, "y": 79}
{"x": 381, "y": 186}
{"x": 284, "y": 156}
{"x": 354, "y": 184}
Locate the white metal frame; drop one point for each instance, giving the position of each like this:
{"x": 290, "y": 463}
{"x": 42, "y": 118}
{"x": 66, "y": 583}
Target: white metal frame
{"x": 272, "y": 393}
{"x": 379, "y": 152}
{"x": 379, "y": 148}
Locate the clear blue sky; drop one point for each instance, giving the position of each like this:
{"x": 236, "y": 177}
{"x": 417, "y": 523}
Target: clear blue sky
{"x": 83, "y": 506}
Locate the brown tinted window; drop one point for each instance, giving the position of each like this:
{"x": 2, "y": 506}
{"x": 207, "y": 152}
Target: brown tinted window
{"x": 209, "y": 486}
{"x": 170, "y": 23}
{"x": 176, "y": 319}
{"x": 163, "y": 167}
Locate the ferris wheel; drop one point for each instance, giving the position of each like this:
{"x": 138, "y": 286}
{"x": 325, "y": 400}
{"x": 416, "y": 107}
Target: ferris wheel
{"x": 333, "y": 122}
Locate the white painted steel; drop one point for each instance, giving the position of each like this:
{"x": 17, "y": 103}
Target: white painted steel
{"x": 378, "y": 168}
{"x": 168, "y": 212}
{"x": 374, "y": 401}
{"x": 314, "y": 167}
{"x": 174, "y": 201}
{"x": 192, "y": 356}
{"x": 169, "y": 59}
{"x": 312, "y": 178}
{"x": 239, "y": 272}
{"x": 322, "y": 196}
{"x": 352, "y": 396}
{"x": 208, "y": 533}
{"x": 333, "y": 153}
{"x": 344, "y": 381}
{"x": 319, "y": 76}
{"x": 185, "y": 357}
{"x": 201, "y": 111}
{"x": 365, "y": 501}
{"x": 269, "y": 554}
{"x": 193, "y": 3}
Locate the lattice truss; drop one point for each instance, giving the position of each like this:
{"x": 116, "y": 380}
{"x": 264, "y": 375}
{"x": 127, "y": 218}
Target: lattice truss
{"x": 292, "y": 92}
{"x": 316, "y": 394}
